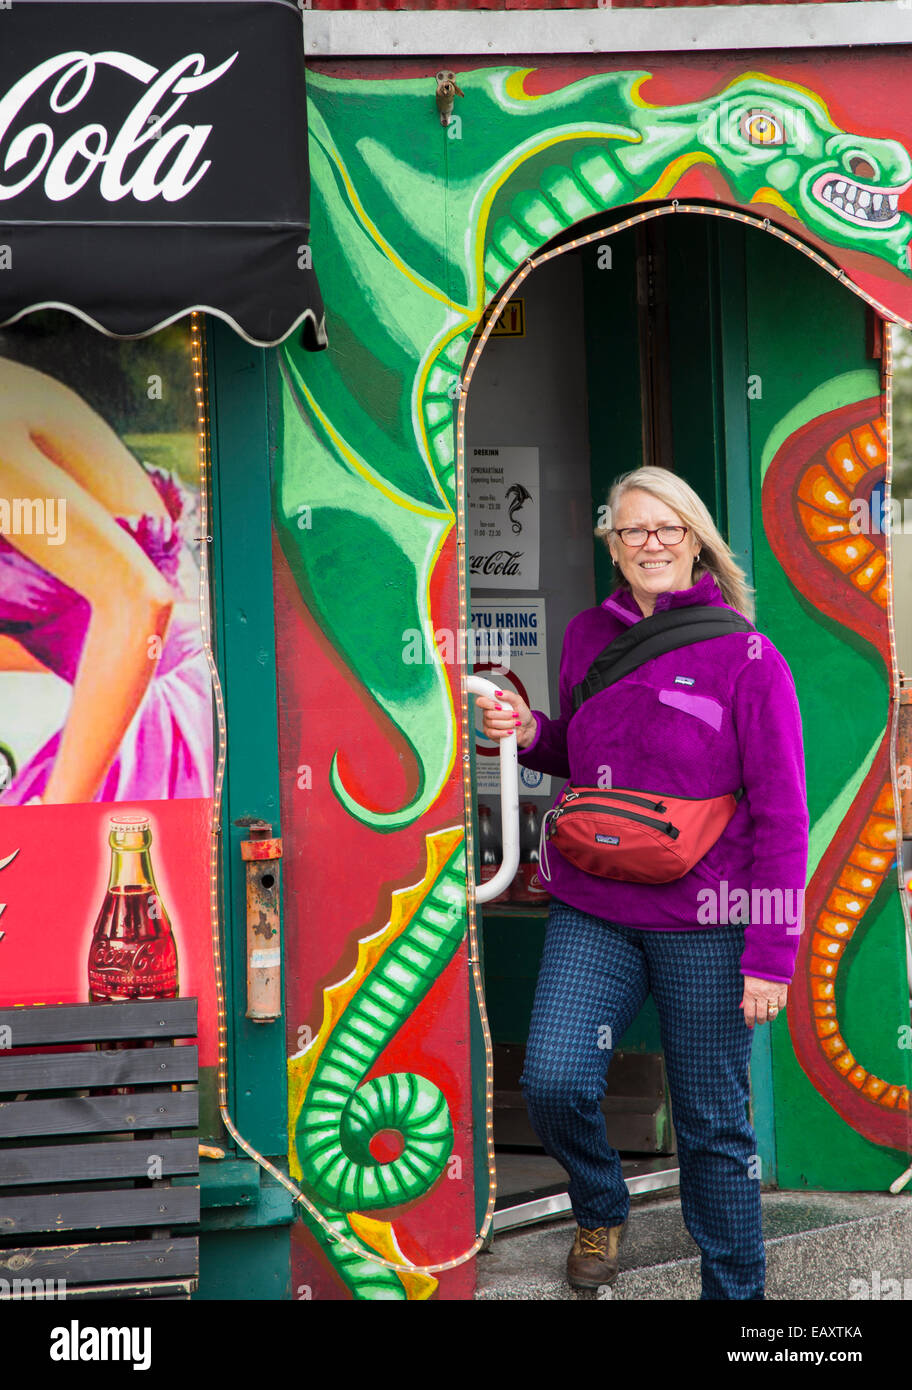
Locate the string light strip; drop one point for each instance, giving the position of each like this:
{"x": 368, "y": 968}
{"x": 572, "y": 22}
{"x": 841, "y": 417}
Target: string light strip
{"x": 197, "y": 357}
{"x": 201, "y": 393}
{"x": 761, "y": 224}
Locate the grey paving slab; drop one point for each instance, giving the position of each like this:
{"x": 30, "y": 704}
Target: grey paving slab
{"x": 840, "y": 1246}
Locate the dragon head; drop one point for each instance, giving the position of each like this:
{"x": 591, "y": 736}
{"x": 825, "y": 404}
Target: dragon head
{"x": 776, "y": 143}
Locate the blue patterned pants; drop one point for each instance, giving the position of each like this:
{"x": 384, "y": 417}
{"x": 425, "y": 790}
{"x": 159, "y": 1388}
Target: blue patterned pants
{"x": 594, "y": 978}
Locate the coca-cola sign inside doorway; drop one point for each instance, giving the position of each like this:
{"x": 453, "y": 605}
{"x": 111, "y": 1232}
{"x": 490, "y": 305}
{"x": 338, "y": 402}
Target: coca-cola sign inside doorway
{"x": 504, "y": 494}
{"x": 153, "y": 159}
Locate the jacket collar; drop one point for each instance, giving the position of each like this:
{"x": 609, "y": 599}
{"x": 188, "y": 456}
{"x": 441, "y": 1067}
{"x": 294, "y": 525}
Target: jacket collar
{"x": 621, "y": 603}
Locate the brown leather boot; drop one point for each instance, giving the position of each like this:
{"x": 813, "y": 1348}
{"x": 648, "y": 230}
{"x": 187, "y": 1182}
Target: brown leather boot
{"x": 594, "y": 1257}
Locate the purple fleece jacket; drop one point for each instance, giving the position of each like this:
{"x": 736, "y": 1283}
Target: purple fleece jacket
{"x": 698, "y": 722}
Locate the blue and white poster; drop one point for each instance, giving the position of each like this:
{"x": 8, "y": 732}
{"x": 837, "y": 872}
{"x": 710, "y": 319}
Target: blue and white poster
{"x": 510, "y": 646}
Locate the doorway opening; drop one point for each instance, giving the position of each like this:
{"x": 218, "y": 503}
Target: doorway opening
{"x": 669, "y": 343}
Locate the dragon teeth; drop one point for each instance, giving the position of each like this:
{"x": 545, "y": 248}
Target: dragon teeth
{"x": 860, "y": 204}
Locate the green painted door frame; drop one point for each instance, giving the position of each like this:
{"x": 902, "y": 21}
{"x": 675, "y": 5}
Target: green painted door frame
{"x": 246, "y": 1215}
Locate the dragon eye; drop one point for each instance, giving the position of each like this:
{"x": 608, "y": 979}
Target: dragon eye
{"x": 762, "y": 128}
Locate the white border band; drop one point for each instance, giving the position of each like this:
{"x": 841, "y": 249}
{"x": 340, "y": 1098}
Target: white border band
{"x": 730, "y": 28}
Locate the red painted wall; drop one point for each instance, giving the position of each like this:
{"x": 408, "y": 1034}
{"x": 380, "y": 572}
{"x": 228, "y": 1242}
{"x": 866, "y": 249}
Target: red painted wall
{"x": 338, "y": 879}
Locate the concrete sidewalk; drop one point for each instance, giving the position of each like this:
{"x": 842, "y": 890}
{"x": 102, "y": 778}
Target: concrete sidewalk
{"x": 817, "y": 1244}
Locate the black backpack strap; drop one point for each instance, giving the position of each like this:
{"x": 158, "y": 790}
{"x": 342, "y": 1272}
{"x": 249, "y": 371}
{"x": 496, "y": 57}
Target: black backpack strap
{"x": 651, "y": 637}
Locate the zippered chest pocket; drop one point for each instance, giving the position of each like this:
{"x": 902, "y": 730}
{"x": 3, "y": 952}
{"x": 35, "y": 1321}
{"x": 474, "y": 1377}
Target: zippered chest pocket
{"x": 705, "y": 708}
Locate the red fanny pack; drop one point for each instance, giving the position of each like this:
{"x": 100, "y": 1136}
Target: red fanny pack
{"x": 633, "y": 835}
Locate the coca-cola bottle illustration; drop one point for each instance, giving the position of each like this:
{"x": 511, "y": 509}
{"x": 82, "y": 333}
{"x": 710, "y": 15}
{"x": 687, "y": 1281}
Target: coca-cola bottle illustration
{"x": 133, "y": 954}
{"x": 527, "y": 886}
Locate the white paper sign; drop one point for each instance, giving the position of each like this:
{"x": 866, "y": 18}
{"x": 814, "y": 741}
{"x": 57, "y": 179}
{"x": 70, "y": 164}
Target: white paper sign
{"x": 504, "y": 495}
{"x": 514, "y": 629}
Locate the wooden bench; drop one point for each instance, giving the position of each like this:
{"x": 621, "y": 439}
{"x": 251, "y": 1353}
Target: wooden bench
{"x": 87, "y": 1148}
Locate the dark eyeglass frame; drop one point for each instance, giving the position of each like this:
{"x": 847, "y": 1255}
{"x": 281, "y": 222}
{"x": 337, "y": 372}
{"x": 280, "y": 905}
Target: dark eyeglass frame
{"x": 638, "y": 545}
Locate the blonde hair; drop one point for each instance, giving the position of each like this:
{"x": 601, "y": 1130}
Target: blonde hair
{"x": 716, "y": 557}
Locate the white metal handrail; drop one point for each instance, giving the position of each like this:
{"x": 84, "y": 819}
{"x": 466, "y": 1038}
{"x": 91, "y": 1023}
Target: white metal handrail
{"x": 509, "y": 804}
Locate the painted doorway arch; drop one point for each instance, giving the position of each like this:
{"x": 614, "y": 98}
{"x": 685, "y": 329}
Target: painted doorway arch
{"x": 405, "y": 215}
{"x": 831, "y": 457}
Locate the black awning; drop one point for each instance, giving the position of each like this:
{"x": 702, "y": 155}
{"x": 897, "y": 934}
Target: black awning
{"x": 153, "y": 160}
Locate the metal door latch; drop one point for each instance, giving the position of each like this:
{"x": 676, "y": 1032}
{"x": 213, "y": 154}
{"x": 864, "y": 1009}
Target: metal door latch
{"x": 262, "y": 854}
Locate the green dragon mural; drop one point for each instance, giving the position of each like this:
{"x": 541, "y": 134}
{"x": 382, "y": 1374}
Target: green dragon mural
{"x": 416, "y": 228}
{"x": 367, "y": 437}
{"x": 334, "y": 1113}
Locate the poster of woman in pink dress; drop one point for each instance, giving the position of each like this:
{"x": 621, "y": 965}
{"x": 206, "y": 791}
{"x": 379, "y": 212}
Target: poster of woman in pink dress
{"x": 98, "y": 576}
{"x": 105, "y": 689}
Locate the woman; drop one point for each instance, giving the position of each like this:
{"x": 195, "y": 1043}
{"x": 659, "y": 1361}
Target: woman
{"x": 100, "y": 605}
{"x": 700, "y": 722}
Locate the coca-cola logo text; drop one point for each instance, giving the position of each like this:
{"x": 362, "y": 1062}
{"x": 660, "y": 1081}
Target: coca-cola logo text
{"x": 498, "y": 562}
{"x": 171, "y": 165}
{"x": 127, "y": 955}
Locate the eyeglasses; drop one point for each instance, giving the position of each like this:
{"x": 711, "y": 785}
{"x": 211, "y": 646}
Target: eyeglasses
{"x": 635, "y": 536}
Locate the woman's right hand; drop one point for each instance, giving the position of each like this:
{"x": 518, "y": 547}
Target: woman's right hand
{"x": 505, "y": 714}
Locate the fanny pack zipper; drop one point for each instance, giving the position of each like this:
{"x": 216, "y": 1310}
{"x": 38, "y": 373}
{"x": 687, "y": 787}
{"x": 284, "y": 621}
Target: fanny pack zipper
{"x": 621, "y": 796}
{"x": 665, "y": 827}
